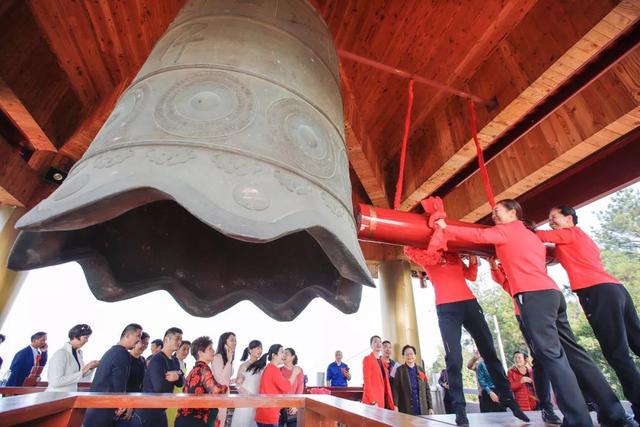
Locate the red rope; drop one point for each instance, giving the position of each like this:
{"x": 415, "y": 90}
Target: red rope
{"x": 403, "y": 153}
{"x": 483, "y": 168}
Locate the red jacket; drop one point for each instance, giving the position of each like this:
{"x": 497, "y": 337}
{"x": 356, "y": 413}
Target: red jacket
{"x": 376, "y": 386}
{"x": 500, "y": 278}
{"x": 525, "y": 397}
{"x": 521, "y": 252}
{"x": 579, "y": 256}
{"x": 447, "y": 277}
{"x": 272, "y": 382}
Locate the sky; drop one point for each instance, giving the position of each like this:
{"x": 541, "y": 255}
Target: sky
{"x": 54, "y": 299}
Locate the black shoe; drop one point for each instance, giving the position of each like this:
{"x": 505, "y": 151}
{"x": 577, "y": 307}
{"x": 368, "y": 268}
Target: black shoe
{"x": 550, "y": 417}
{"x": 629, "y": 421}
{"x": 515, "y": 409}
{"x": 462, "y": 420}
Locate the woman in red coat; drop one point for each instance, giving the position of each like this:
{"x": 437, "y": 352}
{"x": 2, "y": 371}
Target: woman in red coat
{"x": 376, "y": 389}
{"x": 521, "y": 380}
{"x": 606, "y": 303}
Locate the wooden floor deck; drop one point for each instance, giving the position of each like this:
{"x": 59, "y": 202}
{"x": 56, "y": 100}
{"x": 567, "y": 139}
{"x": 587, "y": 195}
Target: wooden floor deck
{"x": 496, "y": 419}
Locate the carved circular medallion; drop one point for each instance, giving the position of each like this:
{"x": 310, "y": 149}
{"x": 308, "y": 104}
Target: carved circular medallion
{"x": 209, "y": 104}
{"x": 304, "y": 134}
{"x": 251, "y": 196}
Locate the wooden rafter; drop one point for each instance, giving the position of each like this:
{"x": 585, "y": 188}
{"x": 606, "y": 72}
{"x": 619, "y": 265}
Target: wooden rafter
{"x": 613, "y": 24}
{"x": 597, "y": 116}
{"x": 17, "y": 180}
{"x": 20, "y": 116}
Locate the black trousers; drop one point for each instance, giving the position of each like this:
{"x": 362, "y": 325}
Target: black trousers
{"x": 544, "y": 314}
{"x": 540, "y": 377}
{"x": 488, "y": 405}
{"x": 153, "y": 417}
{"x": 448, "y": 403}
{"x": 451, "y": 318}
{"x": 189, "y": 422}
{"x": 99, "y": 417}
{"x": 614, "y": 320}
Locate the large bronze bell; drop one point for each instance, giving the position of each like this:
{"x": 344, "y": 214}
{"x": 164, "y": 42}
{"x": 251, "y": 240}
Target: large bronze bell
{"x": 221, "y": 174}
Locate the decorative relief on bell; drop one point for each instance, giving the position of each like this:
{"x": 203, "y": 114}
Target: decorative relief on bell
{"x": 305, "y": 136}
{"x": 208, "y": 104}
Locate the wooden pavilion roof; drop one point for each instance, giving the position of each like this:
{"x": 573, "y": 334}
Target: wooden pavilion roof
{"x": 561, "y": 80}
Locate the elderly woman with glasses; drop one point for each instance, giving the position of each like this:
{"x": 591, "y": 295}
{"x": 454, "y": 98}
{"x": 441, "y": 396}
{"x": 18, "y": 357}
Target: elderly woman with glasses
{"x": 411, "y": 391}
{"x": 66, "y": 366}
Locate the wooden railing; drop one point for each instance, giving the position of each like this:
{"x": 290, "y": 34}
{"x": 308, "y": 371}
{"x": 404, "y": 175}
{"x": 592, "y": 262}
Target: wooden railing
{"x": 53, "y": 409}
{"x": 349, "y": 393}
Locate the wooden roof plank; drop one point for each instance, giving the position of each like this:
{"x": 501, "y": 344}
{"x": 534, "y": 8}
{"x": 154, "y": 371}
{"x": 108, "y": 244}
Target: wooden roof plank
{"x": 565, "y": 65}
{"x": 566, "y": 137}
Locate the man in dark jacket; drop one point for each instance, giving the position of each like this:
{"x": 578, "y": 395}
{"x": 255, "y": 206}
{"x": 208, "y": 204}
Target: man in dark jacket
{"x": 32, "y": 355}
{"x": 163, "y": 374}
{"x": 112, "y": 376}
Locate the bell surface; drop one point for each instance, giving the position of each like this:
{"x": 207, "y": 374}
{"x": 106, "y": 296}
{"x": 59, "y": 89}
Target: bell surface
{"x": 221, "y": 174}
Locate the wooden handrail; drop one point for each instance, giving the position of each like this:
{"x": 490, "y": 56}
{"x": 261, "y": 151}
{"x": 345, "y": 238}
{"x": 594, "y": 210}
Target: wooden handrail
{"x": 29, "y": 408}
{"x": 181, "y": 400}
{"x": 58, "y": 409}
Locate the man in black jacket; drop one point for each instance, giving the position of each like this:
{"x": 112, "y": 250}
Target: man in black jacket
{"x": 112, "y": 376}
{"x": 163, "y": 374}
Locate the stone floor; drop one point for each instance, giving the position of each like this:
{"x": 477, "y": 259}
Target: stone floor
{"x": 498, "y": 419}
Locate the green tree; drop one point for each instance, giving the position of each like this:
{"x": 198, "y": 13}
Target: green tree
{"x": 619, "y": 230}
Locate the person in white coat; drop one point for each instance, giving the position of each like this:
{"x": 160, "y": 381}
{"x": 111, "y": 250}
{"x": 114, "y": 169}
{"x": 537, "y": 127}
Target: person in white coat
{"x": 66, "y": 367}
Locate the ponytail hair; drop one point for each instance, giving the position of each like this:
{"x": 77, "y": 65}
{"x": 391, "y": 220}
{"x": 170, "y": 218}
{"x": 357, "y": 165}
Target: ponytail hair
{"x": 513, "y": 205}
{"x": 260, "y": 364}
{"x": 293, "y": 353}
{"x": 529, "y": 224}
{"x": 253, "y": 344}
{"x": 245, "y": 354}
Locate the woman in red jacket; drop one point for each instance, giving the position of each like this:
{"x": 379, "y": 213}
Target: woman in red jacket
{"x": 273, "y": 382}
{"x": 457, "y": 307}
{"x": 376, "y": 389}
{"x": 521, "y": 380}
{"x": 543, "y": 311}
{"x": 540, "y": 377}
{"x": 606, "y": 303}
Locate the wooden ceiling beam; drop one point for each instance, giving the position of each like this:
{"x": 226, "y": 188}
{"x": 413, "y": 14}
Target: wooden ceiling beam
{"x": 363, "y": 156}
{"x": 17, "y": 180}
{"x": 604, "y": 172}
{"x": 597, "y": 116}
{"x": 22, "y": 119}
{"x": 430, "y": 169}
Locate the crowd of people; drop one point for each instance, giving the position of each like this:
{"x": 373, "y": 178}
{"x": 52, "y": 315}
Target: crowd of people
{"x": 519, "y": 266}
{"x": 123, "y": 369}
